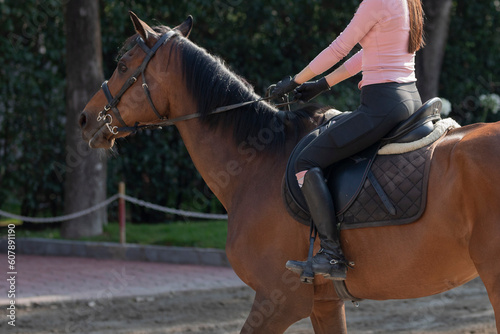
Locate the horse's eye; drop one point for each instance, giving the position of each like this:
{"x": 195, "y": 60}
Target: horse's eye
{"x": 122, "y": 67}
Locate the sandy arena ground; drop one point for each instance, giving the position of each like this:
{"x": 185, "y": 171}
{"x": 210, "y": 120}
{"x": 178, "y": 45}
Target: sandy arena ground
{"x": 221, "y": 311}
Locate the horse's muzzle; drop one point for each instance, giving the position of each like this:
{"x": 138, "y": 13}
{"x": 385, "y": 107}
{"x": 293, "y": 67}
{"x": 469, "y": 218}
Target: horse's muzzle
{"x": 95, "y": 133}
{"x": 82, "y": 121}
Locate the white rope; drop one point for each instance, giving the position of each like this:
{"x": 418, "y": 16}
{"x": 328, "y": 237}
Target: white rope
{"x": 173, "y": 211}
{"x": 61, "y": 218}
{"x": 106, "y": 203}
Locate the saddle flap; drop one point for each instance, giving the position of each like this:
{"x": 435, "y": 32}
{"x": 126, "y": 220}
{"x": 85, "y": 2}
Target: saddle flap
{"x": 346, "y": 178}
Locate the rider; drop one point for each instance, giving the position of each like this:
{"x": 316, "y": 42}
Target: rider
{"x": 390, "y": 32}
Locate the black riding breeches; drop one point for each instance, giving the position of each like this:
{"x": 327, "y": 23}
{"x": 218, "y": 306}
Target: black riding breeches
{"x": 382, "y": 107}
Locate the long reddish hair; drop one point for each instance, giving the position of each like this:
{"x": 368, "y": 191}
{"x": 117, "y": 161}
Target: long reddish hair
{"x": 416, "y": 26}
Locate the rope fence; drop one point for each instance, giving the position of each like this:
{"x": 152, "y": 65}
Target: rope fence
{"x": 110, "y": 200}
{"x": 172, "y": 211}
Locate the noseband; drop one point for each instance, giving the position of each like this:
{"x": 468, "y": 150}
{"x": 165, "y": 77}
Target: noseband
{"x": 113, "y": 101}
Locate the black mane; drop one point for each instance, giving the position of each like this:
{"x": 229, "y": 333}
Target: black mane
{"x": 212, "y": 84}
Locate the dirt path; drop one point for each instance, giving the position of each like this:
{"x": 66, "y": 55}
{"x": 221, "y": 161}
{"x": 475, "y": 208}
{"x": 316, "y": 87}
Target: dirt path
{"x": 463, "y": 310}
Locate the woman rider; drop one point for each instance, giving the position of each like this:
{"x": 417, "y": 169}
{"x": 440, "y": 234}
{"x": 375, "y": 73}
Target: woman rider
{"x": 390, "y": 32}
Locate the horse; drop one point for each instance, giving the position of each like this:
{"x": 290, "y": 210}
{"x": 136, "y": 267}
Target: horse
{"x": 242, "y": 154}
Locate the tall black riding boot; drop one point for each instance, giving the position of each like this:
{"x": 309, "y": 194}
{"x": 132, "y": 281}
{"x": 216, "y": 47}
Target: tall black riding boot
{"x": 329, "y": 261}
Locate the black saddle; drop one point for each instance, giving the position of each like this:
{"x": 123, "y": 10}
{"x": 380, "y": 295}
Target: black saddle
{"x": 418, "y": 125}
{"x": 347, "y": 177}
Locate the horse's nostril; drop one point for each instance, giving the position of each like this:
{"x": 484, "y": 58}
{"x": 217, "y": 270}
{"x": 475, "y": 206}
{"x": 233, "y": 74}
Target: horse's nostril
{"x": 83, "y": 120}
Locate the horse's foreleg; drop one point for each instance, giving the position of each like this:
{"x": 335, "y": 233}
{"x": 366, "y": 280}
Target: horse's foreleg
{"x": 329, "y": 317}
{"x": 273, "y": 311}
{"x": 328, "y": 314}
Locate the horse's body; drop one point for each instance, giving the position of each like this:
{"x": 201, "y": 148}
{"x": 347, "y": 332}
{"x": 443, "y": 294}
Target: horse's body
{"x": 456, "y": 239}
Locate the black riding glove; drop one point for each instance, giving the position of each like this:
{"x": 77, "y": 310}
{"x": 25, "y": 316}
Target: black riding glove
{"x": 309, "y": 90}
{"x": 284, "y": 86}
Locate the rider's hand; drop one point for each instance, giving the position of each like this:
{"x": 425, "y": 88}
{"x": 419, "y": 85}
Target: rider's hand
{"x": 284, "y": 86}
{"x": 309, "y": 90}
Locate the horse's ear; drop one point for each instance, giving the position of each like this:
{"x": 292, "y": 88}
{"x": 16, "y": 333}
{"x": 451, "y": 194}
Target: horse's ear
{"x": 185, "y": 27}
{"x": 140, "y": 26}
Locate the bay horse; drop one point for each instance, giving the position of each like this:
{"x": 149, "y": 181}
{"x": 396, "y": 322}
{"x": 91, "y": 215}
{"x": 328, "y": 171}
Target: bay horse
{"x": 242, "y": 154}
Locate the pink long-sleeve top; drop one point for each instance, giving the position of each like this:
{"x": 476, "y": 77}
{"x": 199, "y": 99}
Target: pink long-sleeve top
{"x": 382, "y": 28}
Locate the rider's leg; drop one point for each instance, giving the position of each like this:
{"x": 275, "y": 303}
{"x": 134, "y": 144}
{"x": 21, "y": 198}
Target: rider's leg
{"x": 330, "y": 260}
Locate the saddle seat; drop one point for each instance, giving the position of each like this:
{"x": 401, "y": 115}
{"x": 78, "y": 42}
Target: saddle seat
{"x": 418, "y": 125}
{"x": 347, "y": 178}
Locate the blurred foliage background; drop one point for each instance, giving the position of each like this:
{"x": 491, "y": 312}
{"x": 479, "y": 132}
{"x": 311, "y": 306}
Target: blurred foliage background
{"x": 261, "y": 40}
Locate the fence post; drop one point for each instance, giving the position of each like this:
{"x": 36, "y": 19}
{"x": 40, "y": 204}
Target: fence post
{"x": 121, "y": 212}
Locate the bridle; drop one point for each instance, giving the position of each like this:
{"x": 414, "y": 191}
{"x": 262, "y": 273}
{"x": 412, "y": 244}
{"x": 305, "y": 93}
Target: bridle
{"x": 164, "y": 121}
{"x": 113, "y": 101}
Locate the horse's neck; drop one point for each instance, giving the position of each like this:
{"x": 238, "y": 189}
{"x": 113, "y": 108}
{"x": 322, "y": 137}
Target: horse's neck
{"x": 226, "y": 166}
{"x": 222, "y": 164}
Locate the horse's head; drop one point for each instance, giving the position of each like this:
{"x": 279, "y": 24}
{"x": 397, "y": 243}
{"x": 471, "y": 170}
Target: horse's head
{"x": 133, "y": 94}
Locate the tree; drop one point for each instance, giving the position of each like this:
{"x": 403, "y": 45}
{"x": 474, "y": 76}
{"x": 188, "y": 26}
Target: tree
{"x": 430, "y": 58}
{"x": 85, "y": 183}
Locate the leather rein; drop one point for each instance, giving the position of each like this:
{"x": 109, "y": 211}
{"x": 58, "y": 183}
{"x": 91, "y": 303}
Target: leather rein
{"x": 164, "y": 121}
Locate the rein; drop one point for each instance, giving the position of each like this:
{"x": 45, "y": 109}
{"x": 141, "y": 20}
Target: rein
{"x": 172, "y": 121}
{"x": 113, "y": 101}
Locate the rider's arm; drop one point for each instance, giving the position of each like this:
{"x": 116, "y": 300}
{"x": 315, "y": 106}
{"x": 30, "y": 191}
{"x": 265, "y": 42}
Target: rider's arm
{"x": 340, "y": 74}
{"x": 369, "y": 13}
{"x": 360, "y": 25}
{"x": 305, "y": 75}
{"x": 351, "y": 67}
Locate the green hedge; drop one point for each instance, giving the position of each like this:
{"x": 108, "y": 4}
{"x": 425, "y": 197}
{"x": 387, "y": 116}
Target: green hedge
{"x": 261, "y": 40}
{"x": 32, "y": 113}
{"x": 470, "y": 67}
